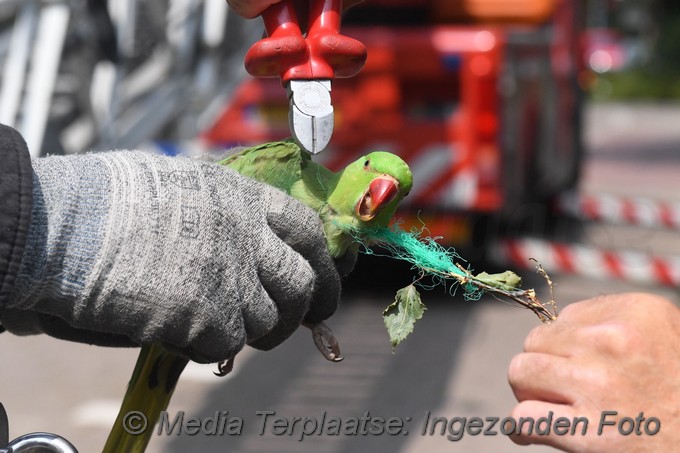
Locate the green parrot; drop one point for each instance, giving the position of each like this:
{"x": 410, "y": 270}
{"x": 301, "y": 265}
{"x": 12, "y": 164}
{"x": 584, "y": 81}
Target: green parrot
{"x": 363, "y": 195}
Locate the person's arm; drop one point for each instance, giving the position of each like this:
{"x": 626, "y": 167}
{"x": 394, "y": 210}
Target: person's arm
{"x": 16, "y": 182}
{"x": 616, "y": 353}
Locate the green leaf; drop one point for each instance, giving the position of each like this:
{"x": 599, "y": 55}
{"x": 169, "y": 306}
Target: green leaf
{"x": 507, "y": 281}
{"x": 401, "y": 315}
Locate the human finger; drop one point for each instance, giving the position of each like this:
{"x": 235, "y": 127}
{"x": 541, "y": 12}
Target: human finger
{"x": 250, "y": 8}
{"x": 564, "y": 427}
{"x": 544, "y": 377}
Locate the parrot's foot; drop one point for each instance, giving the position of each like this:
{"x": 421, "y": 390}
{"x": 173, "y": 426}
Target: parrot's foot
{"x": 330, "y": 347}
{"x": 224, "y": 367}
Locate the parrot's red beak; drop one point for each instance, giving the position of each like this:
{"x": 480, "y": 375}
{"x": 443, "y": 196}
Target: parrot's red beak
{"x": 380, "y": 192}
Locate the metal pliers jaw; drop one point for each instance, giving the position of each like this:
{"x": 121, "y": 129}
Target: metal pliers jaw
{"x": 306, "y": 65}
{"x": 310, "y": 113}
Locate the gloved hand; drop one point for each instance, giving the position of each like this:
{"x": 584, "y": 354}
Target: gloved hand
{"x": 130, "y": 248}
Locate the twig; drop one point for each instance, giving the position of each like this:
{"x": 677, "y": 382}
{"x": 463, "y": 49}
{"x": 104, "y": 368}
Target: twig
{"x": 526, "y": 298}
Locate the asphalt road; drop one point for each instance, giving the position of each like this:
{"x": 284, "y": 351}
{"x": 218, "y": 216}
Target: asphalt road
{"x": 454, "y": 365}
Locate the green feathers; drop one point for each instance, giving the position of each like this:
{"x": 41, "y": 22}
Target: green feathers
{"x": 279, "y": 164}
{"x": 363, "y": 195}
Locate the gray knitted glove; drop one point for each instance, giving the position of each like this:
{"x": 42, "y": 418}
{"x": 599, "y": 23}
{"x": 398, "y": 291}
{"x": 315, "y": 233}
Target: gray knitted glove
{"x": 130, "y": 248}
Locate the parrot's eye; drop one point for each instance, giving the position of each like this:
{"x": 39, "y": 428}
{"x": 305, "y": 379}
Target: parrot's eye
{"x": 367, "y": 163}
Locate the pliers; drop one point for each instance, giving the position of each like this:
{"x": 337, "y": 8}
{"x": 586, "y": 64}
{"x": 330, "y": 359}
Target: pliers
{"x": 306, "y": 65}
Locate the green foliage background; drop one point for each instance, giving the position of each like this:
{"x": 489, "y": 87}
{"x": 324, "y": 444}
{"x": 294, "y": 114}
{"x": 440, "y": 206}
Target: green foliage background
{"x": 659, "y": 77}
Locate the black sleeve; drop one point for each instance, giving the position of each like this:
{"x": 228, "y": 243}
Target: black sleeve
{"x": 16, "y": 191}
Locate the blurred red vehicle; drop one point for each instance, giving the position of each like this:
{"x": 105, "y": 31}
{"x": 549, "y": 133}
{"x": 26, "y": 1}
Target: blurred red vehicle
{"x": 479, "y": 97}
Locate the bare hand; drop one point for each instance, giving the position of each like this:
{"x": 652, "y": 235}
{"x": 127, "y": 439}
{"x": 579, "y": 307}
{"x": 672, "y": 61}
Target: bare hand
{"x": 611, "y": 353}
{"x": 253, "y": 8}
{"x": 250, "y": 8}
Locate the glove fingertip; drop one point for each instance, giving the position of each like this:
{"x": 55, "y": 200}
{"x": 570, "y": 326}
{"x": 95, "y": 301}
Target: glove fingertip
{"x": 345, "y": 264}
{"x": 275, "y": 337}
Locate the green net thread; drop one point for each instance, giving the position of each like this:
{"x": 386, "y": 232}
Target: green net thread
{"x": 423, "y": 252}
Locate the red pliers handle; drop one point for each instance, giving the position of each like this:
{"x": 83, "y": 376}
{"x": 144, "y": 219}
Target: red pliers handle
{"x": 306, "y": 64}
{"x": 323, "y": 54}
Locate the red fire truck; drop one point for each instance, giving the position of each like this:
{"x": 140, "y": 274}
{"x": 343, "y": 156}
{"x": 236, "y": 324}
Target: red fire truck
{"x": 480, "y": 97}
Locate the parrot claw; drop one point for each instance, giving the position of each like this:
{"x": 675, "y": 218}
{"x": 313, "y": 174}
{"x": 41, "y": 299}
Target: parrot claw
{"x": 329, "y": 348}
{"x": 224, "y": 367}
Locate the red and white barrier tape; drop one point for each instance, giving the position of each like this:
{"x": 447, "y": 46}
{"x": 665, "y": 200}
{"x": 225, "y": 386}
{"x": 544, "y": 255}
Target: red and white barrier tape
{"x": 590, "y": 261}
{"x": 622, "y": 210}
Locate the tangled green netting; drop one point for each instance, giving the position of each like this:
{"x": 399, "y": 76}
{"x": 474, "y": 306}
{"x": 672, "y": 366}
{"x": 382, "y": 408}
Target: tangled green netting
{"x": 424, "y": 253}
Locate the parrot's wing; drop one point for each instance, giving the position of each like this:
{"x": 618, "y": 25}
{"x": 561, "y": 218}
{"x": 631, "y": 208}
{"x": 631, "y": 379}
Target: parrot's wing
{"x": 278, "y": 164}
